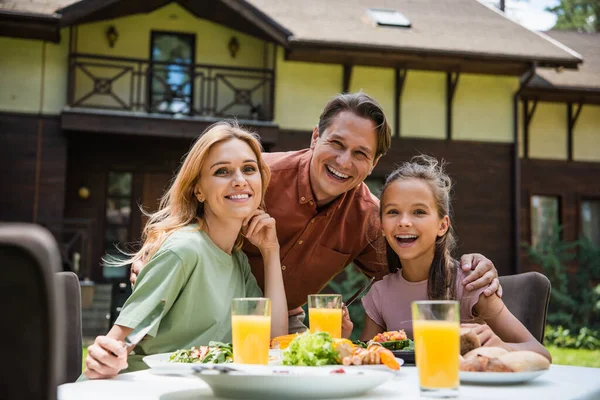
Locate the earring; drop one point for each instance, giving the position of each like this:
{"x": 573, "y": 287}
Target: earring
{"x": 200, "y": 198}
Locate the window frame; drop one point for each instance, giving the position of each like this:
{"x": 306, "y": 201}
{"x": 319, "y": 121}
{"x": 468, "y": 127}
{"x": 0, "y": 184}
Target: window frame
{"x": 580, "y": 199}
{"x": 560, "y": 199}
{"x": 153, "y": 34}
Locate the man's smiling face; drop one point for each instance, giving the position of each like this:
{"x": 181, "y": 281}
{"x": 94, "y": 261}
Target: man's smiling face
{"x": 343, "y": 156}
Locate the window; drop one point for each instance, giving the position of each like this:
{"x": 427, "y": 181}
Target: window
{"x": 545, "y": 218}
{"x": 388, "y": 17}
{"x": 117, "y": 218}
{"x": 171, "y": 84}
{"x": 590, "y": 220}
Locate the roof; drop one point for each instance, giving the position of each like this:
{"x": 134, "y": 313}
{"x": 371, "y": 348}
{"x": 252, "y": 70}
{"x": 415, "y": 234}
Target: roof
{"x": 451, "y": 27}
{"x": 48, "y": 7}
{"x": 588, "y": 75}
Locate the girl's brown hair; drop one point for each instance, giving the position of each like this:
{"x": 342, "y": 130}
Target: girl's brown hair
{"x": 179, "y": 206}
{"x": 442, "y": 275}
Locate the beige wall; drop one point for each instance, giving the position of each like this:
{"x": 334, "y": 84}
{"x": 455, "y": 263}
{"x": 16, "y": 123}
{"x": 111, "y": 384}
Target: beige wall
{"x": 483, "y": 108}
{"x": 586, "y": 135}
{"x": 548, "y": 132}
{"x": 134, "y": 37}
{"x": 423, "y": 105}
{"x": 24, "y": 65}
{"x": 378, "y": 83}
{"x": 134, "y": 42}
{"x": 302, "y": 90}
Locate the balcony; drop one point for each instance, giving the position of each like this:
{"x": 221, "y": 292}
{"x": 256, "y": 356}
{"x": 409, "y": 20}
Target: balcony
{"x": 168, "y": 88}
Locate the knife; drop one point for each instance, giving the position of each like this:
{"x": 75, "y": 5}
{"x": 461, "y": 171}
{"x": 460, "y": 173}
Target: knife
{"x": 136, "y": 335}
{"x": 359, "y": 292}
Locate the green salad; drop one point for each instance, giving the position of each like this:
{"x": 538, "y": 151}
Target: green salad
{"x": 214, "y": 353}
{"x": 312, "y": 349}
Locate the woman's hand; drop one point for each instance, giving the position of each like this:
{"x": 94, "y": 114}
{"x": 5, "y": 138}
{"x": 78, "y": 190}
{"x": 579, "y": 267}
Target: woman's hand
{"x": 487, "y": 337}
{"x": 105, "y": 358}
{"x": 259, "y": 229}
{"x": 347, "y": 325}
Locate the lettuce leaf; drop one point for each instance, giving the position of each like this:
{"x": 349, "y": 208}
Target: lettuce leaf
{"x": 310, "y": 349}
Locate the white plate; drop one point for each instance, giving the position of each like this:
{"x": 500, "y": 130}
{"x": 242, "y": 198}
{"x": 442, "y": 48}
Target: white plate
{"x": 159, "y": 363}
{"x": 279, "y": 382}
{"x": 499, "y": 377}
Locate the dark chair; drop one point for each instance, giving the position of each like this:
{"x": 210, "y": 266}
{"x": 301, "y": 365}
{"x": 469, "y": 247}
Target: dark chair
{"x": 69, "y": 283}
{"x": 30, "y": 338}
{"x": 527, "y": 296}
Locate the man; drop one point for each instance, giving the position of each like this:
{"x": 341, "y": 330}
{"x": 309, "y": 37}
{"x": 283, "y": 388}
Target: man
{"x": 326, "y": 216}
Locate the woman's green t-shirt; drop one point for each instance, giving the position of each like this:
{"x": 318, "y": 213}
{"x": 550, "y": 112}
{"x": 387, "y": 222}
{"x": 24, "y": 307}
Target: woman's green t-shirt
{"x": 197, "y": 280}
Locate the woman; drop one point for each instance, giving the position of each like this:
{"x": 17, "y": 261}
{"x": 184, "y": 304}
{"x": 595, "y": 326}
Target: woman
{"x": 196, "y": 266}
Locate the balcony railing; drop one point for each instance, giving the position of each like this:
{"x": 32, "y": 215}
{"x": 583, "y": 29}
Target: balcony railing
{"x": 131, "y": 84}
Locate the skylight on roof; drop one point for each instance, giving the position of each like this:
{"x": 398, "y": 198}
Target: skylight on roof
{"x": 388, "y": 17}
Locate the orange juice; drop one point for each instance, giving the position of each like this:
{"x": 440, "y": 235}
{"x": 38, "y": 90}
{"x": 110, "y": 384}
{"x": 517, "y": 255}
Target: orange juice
{"x": 326, "y": 320}
{"x": 251, "y": 336}
{"x": 437, "y": 347}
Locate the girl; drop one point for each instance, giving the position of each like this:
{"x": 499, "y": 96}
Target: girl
{"x": 196, "y": 266}
{"x": 415, "y": 219}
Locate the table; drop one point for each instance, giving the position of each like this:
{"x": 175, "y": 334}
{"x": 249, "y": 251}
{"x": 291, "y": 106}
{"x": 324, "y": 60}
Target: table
{"x": 560, "y": 382}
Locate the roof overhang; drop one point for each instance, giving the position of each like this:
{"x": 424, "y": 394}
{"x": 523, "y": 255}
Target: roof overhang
{"x": 562, "y": 94}
{"x": 423, "y": 59}
{"x": 158, "y": 125}
{"x": 30, "y": 26}
{"x": 235, "y": 14}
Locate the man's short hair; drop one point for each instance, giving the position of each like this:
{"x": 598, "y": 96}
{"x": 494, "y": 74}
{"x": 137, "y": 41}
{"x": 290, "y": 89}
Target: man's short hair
{"x": 361, "y": 105}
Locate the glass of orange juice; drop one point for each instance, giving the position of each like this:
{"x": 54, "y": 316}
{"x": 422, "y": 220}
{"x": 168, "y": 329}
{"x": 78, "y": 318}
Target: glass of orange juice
{"x": 251, "y": 330}
{"x": 325, "y": 314}
{"x": 436, "y": 326}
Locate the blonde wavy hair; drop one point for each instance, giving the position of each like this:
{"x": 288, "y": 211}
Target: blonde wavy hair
{"x": 179, "y": 206}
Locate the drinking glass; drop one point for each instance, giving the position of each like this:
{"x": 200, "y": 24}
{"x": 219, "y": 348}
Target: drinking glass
{"x": 325, "y": 314}
{"x": 251, "y": 330}
{"x": 436, "y": 325}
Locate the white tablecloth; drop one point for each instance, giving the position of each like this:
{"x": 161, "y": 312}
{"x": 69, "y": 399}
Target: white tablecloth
{"x": 561, "y": 382}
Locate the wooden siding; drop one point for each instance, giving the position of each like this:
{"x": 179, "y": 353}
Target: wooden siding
{"x": 572, "y": 182}
{"x": 33, "y": 167}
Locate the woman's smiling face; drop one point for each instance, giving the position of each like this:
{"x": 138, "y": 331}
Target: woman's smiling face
{"x": 230, "y": 180}
{"x": 410, "y": 220}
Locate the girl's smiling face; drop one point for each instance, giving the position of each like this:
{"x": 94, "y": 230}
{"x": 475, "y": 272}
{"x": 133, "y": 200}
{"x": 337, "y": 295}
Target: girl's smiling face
{"x": 410, "y": 220}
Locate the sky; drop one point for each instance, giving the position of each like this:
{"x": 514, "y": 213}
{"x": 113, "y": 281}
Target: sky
{"x": 530, "y": 13}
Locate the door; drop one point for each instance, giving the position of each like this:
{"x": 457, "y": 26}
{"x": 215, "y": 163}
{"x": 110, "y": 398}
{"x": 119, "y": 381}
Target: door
{"x": 171, "y": 83}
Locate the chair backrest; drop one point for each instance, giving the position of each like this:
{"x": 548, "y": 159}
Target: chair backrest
{"x": 527, "y": 296}
{"x": 69, "y": 283}
{"x": 30, "y": 339}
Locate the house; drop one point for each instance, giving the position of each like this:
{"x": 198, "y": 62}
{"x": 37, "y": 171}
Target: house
{"x": 559, "y": 151}
{"x": 99, "y": 100}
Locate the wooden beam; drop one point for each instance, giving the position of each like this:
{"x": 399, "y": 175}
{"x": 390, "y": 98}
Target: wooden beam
{"x": 400, "y": 78}
{"x": 26, "y": 26}
{"x": 451, "y": 83}
{"x": 527, "y": 117}
{"x": 347, "y": 78}
{"x": 571, "y": 121}
{"x": 81, "y": 120}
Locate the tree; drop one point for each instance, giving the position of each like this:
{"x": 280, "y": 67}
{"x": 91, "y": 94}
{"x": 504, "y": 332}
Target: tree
{"x": 581, "y": 15}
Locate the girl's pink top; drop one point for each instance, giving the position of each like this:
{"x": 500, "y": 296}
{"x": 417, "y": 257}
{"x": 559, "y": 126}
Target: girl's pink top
{"x": 388, "y": 301}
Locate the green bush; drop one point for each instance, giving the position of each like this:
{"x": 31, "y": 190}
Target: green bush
{"x": 561, "y": 337}
{"x": 575, "y": 296}
{"x": 346, "y": 284}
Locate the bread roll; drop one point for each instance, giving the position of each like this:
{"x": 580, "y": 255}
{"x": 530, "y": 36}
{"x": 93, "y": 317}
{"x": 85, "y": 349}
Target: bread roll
{"x": 468, "y": 340}
{"x": 519, "y": 361}
{"x": 490, "y": 352}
